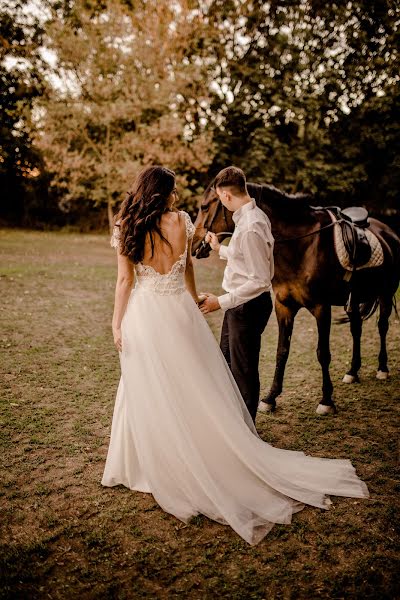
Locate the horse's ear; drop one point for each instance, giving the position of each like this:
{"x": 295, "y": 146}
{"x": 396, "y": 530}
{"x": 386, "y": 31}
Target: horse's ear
{"x": 208, "y": 196}
{"x": 208, "y": 189}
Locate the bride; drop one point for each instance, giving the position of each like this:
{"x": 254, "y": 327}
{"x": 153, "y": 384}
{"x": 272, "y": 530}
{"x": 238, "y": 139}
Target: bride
{"x": 180, "y": 428}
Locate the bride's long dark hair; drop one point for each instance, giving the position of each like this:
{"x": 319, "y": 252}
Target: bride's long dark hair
{"x": 141, "y": 211}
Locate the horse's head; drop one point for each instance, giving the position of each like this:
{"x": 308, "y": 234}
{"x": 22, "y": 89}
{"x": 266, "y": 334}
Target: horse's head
{"x": 212, "y": 216}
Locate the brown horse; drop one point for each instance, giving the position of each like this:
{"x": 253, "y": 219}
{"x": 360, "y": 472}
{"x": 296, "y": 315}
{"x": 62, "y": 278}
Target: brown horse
{"x": 308, "y": 274}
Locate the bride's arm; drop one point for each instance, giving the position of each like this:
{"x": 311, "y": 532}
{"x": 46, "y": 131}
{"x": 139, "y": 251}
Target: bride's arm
{"x": 122, "y": 290}
{"x": 189, "y": 274}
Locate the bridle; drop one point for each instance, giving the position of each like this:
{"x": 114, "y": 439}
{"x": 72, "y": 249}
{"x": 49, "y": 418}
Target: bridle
{"x": 209, "y": 222}
{"x": 213, "y": 217}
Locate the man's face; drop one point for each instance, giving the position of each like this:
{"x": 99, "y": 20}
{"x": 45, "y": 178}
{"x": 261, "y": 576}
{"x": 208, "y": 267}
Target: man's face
{"x": 225, "y": 196}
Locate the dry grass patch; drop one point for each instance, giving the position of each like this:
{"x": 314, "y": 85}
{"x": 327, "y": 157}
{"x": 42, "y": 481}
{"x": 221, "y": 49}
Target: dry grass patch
{"x": 65, "y": 536}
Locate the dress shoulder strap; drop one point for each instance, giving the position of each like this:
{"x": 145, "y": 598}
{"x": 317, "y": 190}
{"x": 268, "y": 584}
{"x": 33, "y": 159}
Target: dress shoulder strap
{"x": 190, "y": 228}
{"x": 116, "y": 236}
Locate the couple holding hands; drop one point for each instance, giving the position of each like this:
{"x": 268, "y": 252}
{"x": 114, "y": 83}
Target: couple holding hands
{"x": 183, "y": 424}
{"x": 247, "y": 282}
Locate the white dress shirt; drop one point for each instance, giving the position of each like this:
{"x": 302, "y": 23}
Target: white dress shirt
{"x": 250, "y": 267}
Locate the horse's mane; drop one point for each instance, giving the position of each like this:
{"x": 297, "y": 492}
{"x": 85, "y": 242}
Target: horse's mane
{"x": 288, "y": 207}
{"x": 279, "y": 201}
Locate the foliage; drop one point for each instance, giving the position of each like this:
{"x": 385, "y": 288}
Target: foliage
{"x": 365, "y": 160}
{"x": 21, "y": 82}
{"x": 123, "y": 101}
{"x": 301, "y": 94}
{"x": 295, "y": 79}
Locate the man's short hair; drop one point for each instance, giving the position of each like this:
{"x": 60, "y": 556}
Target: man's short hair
{"x": 231, "y": 177}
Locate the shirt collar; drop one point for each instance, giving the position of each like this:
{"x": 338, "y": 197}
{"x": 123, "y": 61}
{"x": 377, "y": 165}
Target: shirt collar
{"x": 243, "y": 209}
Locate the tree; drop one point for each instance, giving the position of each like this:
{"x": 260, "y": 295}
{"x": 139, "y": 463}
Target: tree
{"x": 21, "y": 165}
{"x": 292, "y": 78}
{"x": 123, "y": 99}
{"x": 366, "y": 156}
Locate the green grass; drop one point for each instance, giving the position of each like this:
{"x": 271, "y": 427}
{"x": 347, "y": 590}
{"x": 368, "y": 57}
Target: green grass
{"x": 65, "y": 536}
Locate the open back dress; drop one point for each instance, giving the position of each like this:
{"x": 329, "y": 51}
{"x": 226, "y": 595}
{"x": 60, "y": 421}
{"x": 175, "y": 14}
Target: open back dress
{"x": 181, "y": 430}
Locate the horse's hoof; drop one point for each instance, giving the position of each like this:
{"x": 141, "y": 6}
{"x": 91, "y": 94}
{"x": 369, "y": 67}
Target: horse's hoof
{"x": 350, "y": 378}
{"x": 265, "y": 407}
{"x": 324, "y": 409}
{"x": 382, "y": 375}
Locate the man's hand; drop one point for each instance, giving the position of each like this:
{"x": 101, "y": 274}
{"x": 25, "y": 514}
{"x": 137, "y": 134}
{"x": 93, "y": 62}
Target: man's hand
{"x": 212, "y": 239}
{"x": 210, "y": 304}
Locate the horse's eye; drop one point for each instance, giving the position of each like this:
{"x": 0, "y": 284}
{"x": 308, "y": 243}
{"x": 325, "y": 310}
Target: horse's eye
{"x": 203, "y": 207}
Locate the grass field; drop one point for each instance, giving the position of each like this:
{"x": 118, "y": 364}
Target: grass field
{"x": 64, "y": 536}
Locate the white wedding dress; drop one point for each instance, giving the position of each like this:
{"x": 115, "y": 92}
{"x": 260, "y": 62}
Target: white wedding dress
{"x": 182, "y": 432}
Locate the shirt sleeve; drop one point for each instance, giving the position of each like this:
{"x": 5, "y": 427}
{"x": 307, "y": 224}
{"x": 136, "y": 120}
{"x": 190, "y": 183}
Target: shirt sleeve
{"x": 257, "y": 254}
{"x": 223, "y": 252}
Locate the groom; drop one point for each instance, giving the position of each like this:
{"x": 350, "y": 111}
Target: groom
{"x": 247, "y": 282}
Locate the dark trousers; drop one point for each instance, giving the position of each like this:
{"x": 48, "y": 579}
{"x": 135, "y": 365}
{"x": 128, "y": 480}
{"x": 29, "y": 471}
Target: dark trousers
{"x": 241, "y": 342}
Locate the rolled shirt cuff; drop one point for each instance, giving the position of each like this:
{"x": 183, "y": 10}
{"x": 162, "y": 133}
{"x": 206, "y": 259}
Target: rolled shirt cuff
{"x": 225, "y": 301}
{"x": 223, "y": 252}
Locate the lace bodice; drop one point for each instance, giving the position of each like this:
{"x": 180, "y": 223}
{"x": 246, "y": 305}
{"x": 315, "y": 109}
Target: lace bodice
{"x": 147, "y": 278}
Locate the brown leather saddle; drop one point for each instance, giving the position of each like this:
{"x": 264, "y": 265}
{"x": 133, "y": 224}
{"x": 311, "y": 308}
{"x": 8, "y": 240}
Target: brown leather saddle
{"x": 353, "y": 222}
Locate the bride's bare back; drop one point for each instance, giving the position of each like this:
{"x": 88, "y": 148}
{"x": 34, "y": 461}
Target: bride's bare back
{"x": 173, "y": 228}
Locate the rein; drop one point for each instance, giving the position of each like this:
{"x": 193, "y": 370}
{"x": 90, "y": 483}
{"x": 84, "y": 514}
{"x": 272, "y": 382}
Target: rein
{"x": 300, "y": 237}
{"x": 281, "y": 241}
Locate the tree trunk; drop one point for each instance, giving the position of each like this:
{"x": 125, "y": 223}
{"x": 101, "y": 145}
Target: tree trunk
{"x": 110, "y": 213}
{"x": 110, "y": 216}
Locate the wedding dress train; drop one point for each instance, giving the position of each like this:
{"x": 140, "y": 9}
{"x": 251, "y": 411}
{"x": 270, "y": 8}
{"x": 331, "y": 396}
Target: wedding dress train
{"x": 182, "y": 432}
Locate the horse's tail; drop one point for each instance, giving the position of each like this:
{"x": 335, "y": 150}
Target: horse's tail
{"x": 394, "y": 301}
{"x": 367, "y": 309}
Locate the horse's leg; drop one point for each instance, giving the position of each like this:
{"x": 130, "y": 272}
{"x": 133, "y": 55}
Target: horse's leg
{"x": 322, "y": 313}
{"x": 385, "y": 309}
{"x": 285, "y": 316}
{"x": 356, "y": 330}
